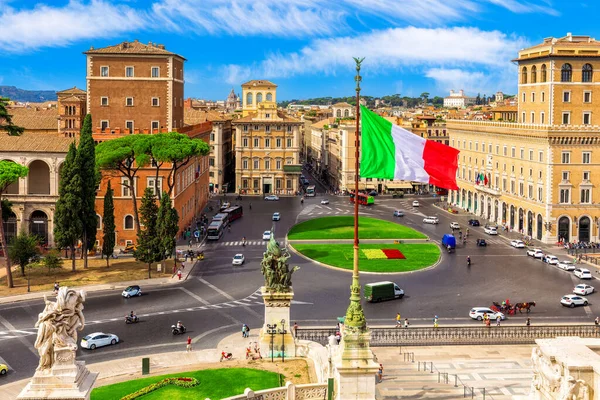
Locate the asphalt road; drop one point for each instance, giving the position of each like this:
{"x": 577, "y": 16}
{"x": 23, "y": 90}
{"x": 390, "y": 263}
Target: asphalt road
{"x": 218, "y": 297}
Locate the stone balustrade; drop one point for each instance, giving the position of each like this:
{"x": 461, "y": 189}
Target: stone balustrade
{"x": 288, "y": 392}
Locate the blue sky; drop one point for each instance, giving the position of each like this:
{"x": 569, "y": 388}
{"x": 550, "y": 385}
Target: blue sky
{"x": 305, "y": 46}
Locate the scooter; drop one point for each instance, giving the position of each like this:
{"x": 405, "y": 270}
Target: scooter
{"x": 226, "y": 356}
{"x": 177, "y": 331}
{"x": 131, "y": 320}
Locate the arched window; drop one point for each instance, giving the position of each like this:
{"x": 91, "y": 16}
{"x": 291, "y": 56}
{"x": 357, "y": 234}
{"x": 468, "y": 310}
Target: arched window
{"x": 98, "y": 222}
{"x": 249, "y": 98}
{"x": 566, "y": 73}
{"x": 338, "y": 113}
{"x": 587, "y": 73}
{"x": 128, "y": 222}
{"x": 346, "y": 113}
{"x": 258, "y": 97}
{"x": 543, "y": 77}
{"x": 533, "y": 74}
{"x": 269, "y": 97}
{"x": 524, "y": 75}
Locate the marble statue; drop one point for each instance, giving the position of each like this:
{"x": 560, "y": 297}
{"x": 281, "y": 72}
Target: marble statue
{"x": 58, "y": 325}
{"x": 274, "y": 267}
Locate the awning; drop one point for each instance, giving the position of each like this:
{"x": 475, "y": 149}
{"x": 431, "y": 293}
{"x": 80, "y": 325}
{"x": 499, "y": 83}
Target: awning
{"x": 404, "y": 185}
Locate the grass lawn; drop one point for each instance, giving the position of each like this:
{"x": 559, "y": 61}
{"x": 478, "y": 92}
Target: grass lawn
{"x": 122, "y": 269}
{"x": 214, "y": 384}
{"x": 418, "y": 256}
{"x": 342, "y": 227}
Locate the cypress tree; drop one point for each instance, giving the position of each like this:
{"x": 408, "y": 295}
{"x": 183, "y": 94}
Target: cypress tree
{"x": 148, "y": 243}
{"x": 108, "y": 228}
{"x": 167, "y": 226}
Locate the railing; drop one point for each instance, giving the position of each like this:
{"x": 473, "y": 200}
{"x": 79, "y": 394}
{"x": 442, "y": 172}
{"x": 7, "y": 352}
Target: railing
{"x": 444, "y": 377}
{"x": 290, "y": 391}
{"x": 458, "y": 335}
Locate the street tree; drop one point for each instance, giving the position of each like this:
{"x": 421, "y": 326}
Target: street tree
{"x": 6, "y": 123}
{"x": 52, "y": 260}
{"x": 68, "y": 227}
{"x": 108, "y": 224}
{"x": 148, "y": 243}
{"x": 124, "y": 156}
{"x": 10, "y": 172}
{"x": 89, "y": 176}
{"x": 23, "y": 248}
{"x": 167, "y": 226}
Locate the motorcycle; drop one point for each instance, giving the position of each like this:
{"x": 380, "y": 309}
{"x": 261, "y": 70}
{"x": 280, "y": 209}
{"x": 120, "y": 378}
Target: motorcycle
{"x": 225, "y": 356}
{"x": 201, "y": 255}
{"x": 177, "y": 331}
{"x": 131, "y": 320}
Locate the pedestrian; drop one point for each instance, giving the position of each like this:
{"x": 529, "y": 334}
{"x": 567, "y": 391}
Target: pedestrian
{"x": 597, "y": 321}
{"x": 185, "y": 257}
{"x": 436, "y": 322}
{"x": 498, "y": 319}
{"x": 528, "y": 322}
{"x": 250, "y": 205}
{"x": 398, "y": 320}
{"x": 190, "y": 244}
{"x": 380, "y": 373}
{"x": 406, "y": 323}
{"x": 296, "y": 328}
{"x": 179, "y": 274}
{"x": 189, "y": 344}
{"x": 488, "y": 322}
{"x": 182, "y": 266}
{"x": 56, "y": 287}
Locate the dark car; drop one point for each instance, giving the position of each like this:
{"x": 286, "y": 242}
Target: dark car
{"x": 373, "y": 193}
{"x": 474, "y": 222}
{"x": 398, "y": 195}
{"x": 481, "y": 242}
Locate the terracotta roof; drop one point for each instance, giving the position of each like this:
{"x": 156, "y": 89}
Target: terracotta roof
{"x": 342, "y": 104}
{"x": 505, "y": 109}
{"x": 72, "y": 98}
{"x": 192, "y": 117}
{"x": 33, "y": 118}
{"x": 280, "y": 114}
{"x": 323, "y": 122}
{"x": 256, "y": 82}
{"x": 134, "y": 48}
{"x": 73, "y": 90}
{"x": 30, "y": 142}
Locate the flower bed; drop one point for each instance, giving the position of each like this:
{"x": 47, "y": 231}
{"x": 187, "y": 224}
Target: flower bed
{"x": 181, "y": 382}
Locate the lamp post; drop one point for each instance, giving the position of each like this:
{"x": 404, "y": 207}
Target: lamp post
{"x": 282, "y": 331}
{"x": 272, "y": 330}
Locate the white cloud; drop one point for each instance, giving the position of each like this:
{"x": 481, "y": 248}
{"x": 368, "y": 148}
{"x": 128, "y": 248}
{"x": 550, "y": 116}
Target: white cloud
{"x": 45, "y": 26}
{"x": 523, "y": 7}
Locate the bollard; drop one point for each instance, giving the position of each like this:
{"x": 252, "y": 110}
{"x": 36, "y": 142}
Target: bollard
{"x": 455, "y": 380}
{"x": 413, "y": 357}
{"x": 472, "y": 392}
{"x": 483, "y": 393}
{"x": 438, "y": 376}
{"x": 419, "y": 366}
{"x": 464, "y": 391}
{"x": 145, "y": 366}
{"x": 431, "y": 366}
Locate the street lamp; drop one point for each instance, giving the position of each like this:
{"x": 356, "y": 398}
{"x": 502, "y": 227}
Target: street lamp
{"x": 272, "y": 330}
{"x": 282, "y": 331}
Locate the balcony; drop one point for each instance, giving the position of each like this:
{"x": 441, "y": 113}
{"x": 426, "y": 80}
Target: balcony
{"x": 293, "y": 169}
{"x": 488, "y": 190}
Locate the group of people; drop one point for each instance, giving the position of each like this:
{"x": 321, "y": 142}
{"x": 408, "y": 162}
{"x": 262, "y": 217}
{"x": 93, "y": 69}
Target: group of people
{"x": 400, "y": 323}
{"x": 578, "y": 245}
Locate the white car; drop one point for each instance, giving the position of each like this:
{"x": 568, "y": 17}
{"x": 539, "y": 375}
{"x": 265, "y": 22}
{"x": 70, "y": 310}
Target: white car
{"x": 267, "y": 235}
{"x": 454, "y": 225}
{"x": 398, "y": 213}
{"x": 325, "y": 201}
{"x": 535, "y": 253}
{"x": 431, "y": 220}
{"x": 550, "y": 259}
{"x": 583, "y": 273}
{"x": 566, "y": 265}
{"x": 226, "y": 205}
{"x": 519, "y": 244}
{"x": 130, "y": 291}
{"x": 490, "y": 230}
{"x": 583, "y": 289}
{"x": 415, "y": 203}
{"x": 478, "y": 312}
{"x": 572, "y": 300}
{"x": 271, "y": 197}
{"x": 98, "y": 339}
{"x": 276, "y": 216}
{"x": 238, "y": 259}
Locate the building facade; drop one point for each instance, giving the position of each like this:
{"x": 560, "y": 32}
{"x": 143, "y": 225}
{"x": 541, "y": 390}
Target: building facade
{"x": 71, "y": 111}
{"x": 537, "y": 176}
{"x": 267, "y": 144}
{"x": 458, "y": 100}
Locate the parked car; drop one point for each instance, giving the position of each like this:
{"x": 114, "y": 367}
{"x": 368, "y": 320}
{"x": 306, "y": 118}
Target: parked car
{"x": 325, "y": 201}
{"x": 373, "y": 193}
{"x": 276, "y": 216}
{"x": 98, "y": 339}
{"x": 398, "y": 195}
{"x": 583, "y": 289}
{"x": 130, "y": 291}
{"x": 481, "y": 242}
{"x": 550, "y": 259}
{"x": 398, "y": 213}
{"x": 380, "y": 291}
{"x": 454, "y": 225}
{"x": 535, "y": 253}
{"x": 238, "y": 259}
{"x": 415, "y": 203}
{"x": 478, "y": 312}
{"x": 267, "y": 235}
{"x": 490, "y": 230}
{"x": 271, "y": 197}
{"x": 572, "y": 300}
{"x": 566, "y": 265}
{"x": 431, "y": 220}
{"x": 474, "y": 222}
{"x": 3, "y": 369}
{"x": 519, "y": 244}
{"x": 583, "y": 273}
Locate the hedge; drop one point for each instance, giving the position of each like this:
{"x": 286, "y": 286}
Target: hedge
{"x": 182, "y": 382}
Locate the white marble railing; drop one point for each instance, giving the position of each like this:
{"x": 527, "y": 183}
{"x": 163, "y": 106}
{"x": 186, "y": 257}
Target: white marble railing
{"x": 290, "y": 391}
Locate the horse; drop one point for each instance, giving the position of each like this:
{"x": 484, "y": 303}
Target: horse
{"x": 527, "y": 306}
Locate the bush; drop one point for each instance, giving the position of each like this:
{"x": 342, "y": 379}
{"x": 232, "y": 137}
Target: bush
{"x": 182, "y": 382}
{"x": 52, "y": 260}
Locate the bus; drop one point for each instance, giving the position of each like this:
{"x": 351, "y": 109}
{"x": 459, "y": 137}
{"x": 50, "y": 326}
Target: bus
{"x": 215, "y": 230}
{"x": 310, "y": 191}
{"x": 221, "y": 217}
{"x": 233, "y": 213}
{"x": 363, "y": 199}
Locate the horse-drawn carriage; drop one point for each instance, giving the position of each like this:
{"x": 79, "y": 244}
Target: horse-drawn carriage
{"x": 511, "y": 309}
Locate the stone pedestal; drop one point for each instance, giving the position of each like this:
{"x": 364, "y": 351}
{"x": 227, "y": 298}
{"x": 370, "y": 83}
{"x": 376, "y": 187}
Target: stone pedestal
{"x": 355, "y": 369}
{"x": 277, "y": 308}
{"x": 67, "y": 379}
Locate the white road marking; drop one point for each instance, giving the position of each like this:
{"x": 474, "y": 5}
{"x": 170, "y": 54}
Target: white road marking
{"x": 21, "y": 339}
{"x": 195, "y": 296}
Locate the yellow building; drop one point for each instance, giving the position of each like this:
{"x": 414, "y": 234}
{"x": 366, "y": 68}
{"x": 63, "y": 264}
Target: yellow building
{"x": 538, "y": 176}
{"x": 267, "y": 144}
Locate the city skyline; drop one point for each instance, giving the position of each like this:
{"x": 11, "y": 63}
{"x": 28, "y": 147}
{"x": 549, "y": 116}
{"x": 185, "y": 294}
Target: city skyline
{"x": 306, "y": 47}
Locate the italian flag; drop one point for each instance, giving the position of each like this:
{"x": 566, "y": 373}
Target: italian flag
{"x": 391, "y": 152}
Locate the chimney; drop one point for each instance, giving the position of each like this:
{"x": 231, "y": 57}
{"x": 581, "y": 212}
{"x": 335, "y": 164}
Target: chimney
{"x": 161, "y": 46}
{"x": 570, "y": 36}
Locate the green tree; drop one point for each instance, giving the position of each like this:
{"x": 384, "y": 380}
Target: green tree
{"x": 6, "y": 123}
{"x": 10, "y": 173}
{"x": 125, "y": 156}
{"x": 86, "y": 168}
{"x": 148, "y": 243}
{"x": 52, "y": 260}
{"x": 108, "y": 227}
{"x": 167, "y": 226}
{"x": 424, "y": 96}
{"x": 67, "y": 222}
{"x": 23, "y": 248}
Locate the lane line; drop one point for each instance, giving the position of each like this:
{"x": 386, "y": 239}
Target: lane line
{"x": 21, "y": 339}
{"x": 227, "y": 296}
{"x": 195, "y": 296}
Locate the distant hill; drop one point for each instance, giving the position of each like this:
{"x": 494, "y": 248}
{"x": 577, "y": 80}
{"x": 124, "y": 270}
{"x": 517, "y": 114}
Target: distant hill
{"x": 32, "y": 96}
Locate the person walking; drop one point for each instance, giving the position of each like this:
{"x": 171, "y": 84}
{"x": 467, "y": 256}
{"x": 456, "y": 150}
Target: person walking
{"x": 57, "y": 286}
{"x": 380, "y": 374}
{"x": 179, "y": 274}
{"x": 488, "y": 322}
{"x": 296, "y": 329}
{"x": 398, "y": 320}
{"x": 597, "y": 321}
{"x": 406, "y": 323}
{"x": 528, "y": 322}
{"x": 189, "y": 344}
{"x": 498, "y": 319}
{"x": 436, "y": 322}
